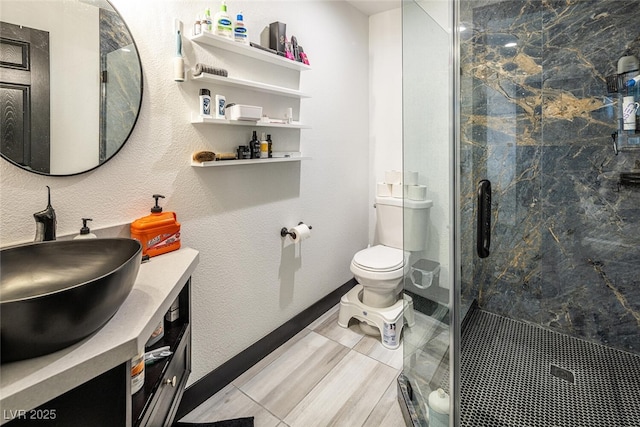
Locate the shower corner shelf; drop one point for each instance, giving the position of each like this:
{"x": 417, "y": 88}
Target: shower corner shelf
{"x": 247, "y": 162}
{"x": 246, "y": 50}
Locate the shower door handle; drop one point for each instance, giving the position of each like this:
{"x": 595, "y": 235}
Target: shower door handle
{"x": 484, "y": 218}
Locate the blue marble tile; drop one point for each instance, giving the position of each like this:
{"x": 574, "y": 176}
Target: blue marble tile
{"x": 537, "y": 121}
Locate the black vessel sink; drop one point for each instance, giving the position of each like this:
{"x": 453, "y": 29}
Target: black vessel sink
{"x": 54, "y": 294}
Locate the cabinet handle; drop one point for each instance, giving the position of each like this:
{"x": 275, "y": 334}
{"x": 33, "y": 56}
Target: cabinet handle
{"x": 171, "y": 381}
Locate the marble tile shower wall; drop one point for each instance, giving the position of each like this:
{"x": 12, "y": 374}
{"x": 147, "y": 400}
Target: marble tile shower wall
{"x": 537, "y": 121}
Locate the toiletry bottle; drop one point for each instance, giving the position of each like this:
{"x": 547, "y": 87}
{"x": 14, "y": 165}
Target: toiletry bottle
{"x": 205, "y": 103}
{"x": 240, "y": 33}
{"x": 270, "y": 146}
{"x": 85, "y": 233}
{"x": 303, "y": 56}
{"x": 158, "y": 232}
{"x": 438, "y": 408}
{"x": 220, "y": 106}
{"x": 264, "y": 147}
{"x": 197, "y": 26}
{"x": 207, "y": 22}
{"x": 254, "y": 144}
{"x": 634, "y": 81}
{"x": 137, "y": 373}
{"x": 287, "y": 50}
{"x": 222, "y": 22}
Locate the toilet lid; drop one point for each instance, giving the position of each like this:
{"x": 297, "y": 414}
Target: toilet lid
{"x": 379, "y": 258}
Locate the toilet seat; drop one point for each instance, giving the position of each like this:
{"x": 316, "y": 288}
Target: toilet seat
{"x": 379, "y": 258}
{"x": 380, "y": 263}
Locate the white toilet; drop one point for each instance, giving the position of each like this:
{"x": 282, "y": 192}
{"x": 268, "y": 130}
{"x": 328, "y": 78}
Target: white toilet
{"x": 380, "y": 269}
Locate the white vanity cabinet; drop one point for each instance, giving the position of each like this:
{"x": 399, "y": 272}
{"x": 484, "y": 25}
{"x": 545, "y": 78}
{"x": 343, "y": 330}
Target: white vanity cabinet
{"x": 89, "y": 383}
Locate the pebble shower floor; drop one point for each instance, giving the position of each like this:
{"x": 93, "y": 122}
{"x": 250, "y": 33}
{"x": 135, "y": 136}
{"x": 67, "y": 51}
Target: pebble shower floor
{"x": 515, "y": 374}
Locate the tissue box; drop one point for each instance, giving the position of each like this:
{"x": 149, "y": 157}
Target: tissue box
{"x": 244, "y": 112}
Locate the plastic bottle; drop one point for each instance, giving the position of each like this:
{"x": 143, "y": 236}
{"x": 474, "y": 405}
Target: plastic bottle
{"x": 634, "y": 81}
{"x": 222, "y": 22}
{"x": 221, "y": 103}
{"x": 205, "y": 103}
{"x": 240, "y": 33}
{"x": 264, "y": 147}
{"x": 254, "y": 145}
{"x": 207, "y": 22}
{"x": 85, "y": 233}
{"x": 159, "y": 232}
{"x": 438, "y": 408}
{"x": 137, "y": 373}
{"x": 197, "y": 26}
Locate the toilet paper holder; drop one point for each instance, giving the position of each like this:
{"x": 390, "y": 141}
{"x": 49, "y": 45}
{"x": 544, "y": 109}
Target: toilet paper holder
{"x": 284, "y": 231}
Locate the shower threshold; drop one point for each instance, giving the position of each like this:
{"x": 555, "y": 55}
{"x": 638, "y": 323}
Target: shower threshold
{"x": 515, "y": 374}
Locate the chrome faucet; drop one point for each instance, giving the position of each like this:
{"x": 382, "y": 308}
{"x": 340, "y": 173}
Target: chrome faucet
{"x": 46, "y": 222}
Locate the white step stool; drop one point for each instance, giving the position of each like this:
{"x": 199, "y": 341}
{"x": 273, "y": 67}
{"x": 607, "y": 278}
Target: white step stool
{"x": 388, "y": 320}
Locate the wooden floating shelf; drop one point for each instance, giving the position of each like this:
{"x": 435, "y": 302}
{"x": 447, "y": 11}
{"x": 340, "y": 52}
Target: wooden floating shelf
{"x": 246, "y": 50}
{"x": 247, "y": 162}
{"x": 248, "y": 84}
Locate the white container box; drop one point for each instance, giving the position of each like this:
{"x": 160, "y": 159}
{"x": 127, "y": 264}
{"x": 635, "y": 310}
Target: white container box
{"x": 244, "y": 112}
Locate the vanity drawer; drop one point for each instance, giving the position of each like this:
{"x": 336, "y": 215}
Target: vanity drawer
{"x": 165, "y": 403}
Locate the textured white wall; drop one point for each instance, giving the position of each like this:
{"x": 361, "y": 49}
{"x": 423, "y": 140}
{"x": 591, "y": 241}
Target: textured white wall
{"x": 385, "y": 106}
{"x": 248, "y": 283}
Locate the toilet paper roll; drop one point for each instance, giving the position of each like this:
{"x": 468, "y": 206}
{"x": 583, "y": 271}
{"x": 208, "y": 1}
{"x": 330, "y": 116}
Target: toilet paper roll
{"x": 396, "y": 191}
{"x": 300, "y": 232}
{"x": 393, "y": 177}
{"x": 410, "y": 178}
{"x": 383, "y": 189}
{"x": 417, "y": 192}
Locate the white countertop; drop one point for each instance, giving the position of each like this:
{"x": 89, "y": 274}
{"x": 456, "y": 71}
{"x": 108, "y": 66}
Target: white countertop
{"x": 26, "y": 384}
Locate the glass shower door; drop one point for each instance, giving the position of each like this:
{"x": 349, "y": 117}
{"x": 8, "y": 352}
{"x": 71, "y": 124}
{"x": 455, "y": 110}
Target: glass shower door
{"x": 427, "y": 150}
{"x": 551, "y": 306}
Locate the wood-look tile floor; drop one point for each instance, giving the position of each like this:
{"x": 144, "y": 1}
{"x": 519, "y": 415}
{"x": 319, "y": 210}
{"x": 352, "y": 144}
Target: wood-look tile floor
{"x": 326, "y": 375}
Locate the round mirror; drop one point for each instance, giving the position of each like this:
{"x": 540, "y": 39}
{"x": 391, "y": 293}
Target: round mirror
{"x": 70, "y": 84}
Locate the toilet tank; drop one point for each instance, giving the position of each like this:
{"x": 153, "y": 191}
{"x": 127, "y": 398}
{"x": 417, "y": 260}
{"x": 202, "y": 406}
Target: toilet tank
{"x": 392, "y": 212}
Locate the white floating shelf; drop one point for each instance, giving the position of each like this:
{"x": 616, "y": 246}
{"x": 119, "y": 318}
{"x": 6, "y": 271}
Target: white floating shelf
{"x": 257, "y": 86}
{"x": 246, "y": 50}
{"x": 195, "y": 119}
{"x": 247, "y": 162}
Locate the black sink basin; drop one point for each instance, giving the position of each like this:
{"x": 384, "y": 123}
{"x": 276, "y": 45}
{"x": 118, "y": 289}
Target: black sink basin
{"x": 54, "y": 294}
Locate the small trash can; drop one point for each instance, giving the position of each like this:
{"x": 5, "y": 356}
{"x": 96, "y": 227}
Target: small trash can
{"x": 424, "y": 274}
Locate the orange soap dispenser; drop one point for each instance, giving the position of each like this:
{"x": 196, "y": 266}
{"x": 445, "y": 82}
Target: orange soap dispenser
{"x": 159, "y": 232}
